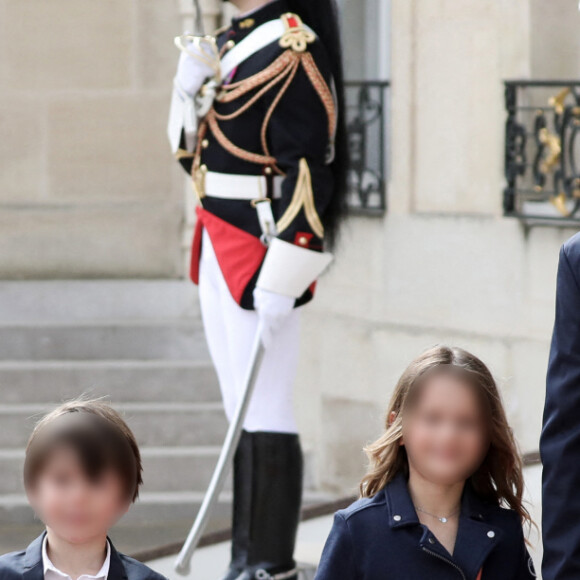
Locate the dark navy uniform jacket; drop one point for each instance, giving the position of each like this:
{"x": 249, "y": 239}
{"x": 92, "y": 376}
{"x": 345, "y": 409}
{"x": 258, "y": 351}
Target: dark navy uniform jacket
{"x": 560, "y": 441}
{"x": 27, "y": 565}
{"x": 381, "y": 538}
{"x": 298, "y": 128}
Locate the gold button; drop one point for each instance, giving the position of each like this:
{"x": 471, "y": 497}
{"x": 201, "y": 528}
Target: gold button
{"x": 205, "y": 143}
{"x": 268, "y": 171}
{"x": 303, "y": 240}
{"x": 247, "y": 23}
{"x": 230, "y": 44}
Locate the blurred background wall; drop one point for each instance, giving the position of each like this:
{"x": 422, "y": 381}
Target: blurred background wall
{"x": 88, "y": 187}
{"x": 444, "y": 264}
{"x": 89, "y": 190}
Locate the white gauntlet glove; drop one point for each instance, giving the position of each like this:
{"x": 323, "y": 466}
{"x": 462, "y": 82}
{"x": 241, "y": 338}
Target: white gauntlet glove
{"x": 286, "y": 273}
{"x": 191, "y": 71}
{"x": 272, "y": 309}
{"x": 199, "y": 60}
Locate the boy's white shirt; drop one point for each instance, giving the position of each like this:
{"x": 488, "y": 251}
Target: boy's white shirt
{"x": 51, "y": 572}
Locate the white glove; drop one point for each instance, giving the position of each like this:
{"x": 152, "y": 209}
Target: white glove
{"x": 272, "y": 310}
{"x": 191, "y": 72}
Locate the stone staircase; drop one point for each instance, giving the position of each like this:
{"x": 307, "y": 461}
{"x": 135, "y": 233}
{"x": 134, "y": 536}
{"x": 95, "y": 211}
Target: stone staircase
{"x": 139, "y": 343}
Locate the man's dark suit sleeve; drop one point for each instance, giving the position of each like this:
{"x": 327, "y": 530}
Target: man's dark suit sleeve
{"x": 560, "y": 440}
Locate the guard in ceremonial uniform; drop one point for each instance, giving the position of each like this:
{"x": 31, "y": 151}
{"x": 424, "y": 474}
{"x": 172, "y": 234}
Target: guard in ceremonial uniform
{"x": 257, "y": 121}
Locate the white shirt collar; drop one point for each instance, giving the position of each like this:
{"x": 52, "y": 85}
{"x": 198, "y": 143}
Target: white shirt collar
{"x": 52, "y": 572}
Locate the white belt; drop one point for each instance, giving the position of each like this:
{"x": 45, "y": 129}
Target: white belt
{"x": 234, "y": 186}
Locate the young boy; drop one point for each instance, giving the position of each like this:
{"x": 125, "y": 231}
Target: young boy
{"x": 81, "y": 473}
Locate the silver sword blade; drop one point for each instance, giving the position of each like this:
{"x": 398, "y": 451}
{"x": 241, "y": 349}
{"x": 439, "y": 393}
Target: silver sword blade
{"x": 183, "y": 562}
{"x": 198, "y": 25}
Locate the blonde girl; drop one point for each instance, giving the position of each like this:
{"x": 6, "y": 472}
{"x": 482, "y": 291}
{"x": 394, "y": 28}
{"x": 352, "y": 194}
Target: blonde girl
{"x": 442, "y": 498}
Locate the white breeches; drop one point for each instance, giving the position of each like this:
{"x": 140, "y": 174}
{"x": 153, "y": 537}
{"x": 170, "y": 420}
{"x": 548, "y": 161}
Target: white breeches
{"x": 229, "y": 331}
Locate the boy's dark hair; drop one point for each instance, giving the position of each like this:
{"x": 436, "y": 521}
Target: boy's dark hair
{"x": 96, "y": 433}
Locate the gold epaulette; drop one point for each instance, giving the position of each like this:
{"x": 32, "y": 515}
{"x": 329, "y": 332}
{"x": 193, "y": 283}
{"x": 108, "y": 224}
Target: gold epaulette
{"x": 296, "y": 36}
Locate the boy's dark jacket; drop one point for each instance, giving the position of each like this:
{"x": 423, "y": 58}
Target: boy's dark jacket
{"x": 27, "y": 565}
{"x": 381, "y": 538}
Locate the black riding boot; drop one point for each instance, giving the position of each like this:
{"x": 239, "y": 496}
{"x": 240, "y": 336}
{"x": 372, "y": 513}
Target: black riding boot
{"x": 268, "y": 471}
{"x": 275, "y": 506}
{"x": 241, "y": 506}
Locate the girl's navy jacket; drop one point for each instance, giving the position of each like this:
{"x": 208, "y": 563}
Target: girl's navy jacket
{"x": 381, "y": 538}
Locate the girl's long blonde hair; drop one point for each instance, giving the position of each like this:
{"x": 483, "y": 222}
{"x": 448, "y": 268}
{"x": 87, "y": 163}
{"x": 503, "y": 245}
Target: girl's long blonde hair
{"x": 498, "y": 479}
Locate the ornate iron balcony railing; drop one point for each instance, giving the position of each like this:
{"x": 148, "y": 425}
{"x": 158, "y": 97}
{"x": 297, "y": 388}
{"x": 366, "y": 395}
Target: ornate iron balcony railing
{"x": 366, "y": 126}
{"x": 542, "y": 162}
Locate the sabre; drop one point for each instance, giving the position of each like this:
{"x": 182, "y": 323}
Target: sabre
{"x": 183, "y": 561}
{"x": 198, "y": 26}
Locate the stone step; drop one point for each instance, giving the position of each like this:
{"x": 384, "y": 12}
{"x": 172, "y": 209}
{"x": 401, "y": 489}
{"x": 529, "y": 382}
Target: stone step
{"x": 77, "y": 300}
{"x": 114, "y": 339}
{"x": 155, "y": 520}
{"x": 23, "y": 382}
{"x": 155, "y": 424}
{"x": 168, "y": 469}
{"x": 150, "y": 508}
{"x": 165, "y": 469}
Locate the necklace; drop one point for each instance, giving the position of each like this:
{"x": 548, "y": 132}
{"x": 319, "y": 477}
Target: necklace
{"x": 443, "y": 519}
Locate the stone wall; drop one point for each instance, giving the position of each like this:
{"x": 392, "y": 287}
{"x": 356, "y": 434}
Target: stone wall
{"x": 444, "y": 266}
{"x": 555, "y": 42}
{"x": 88, "y": 187}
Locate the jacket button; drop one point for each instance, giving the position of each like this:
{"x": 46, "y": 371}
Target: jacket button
{"x": 431, "y": 541}
{"x": 397, "y": 518}
{"x": 491, "y": 534}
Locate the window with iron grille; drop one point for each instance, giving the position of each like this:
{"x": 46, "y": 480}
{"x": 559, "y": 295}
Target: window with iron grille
{"x": 366, "y": 127}
{"x": 366, "y": 35}
{"x": 542, "y": 160}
